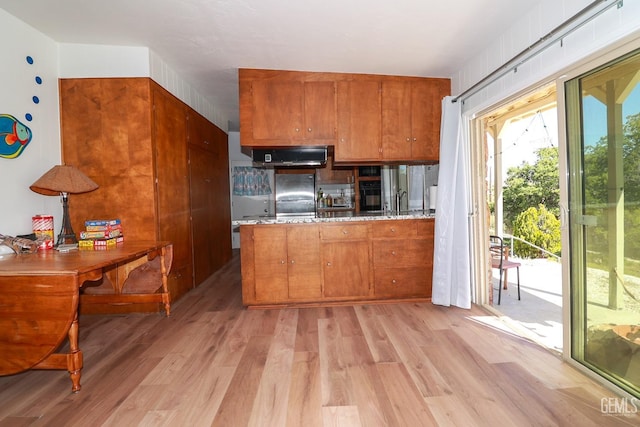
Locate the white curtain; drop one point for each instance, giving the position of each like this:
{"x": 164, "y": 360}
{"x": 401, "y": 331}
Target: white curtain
{"x": 451, "y": 263}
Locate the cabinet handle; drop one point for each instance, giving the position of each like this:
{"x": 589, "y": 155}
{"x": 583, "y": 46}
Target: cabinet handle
{"x": 293, "y": 261}
{"x": 393, "y": 253}
{"x": 206, "y": 142}
{"x": 309, "y": 130}
{"x": 408, "y": 139}
{"x": 393, "y": 230}
{"x": 341, "y": 139}
{"x": 393, "y": 281}
{"x": 345, "y": 232}
{"x": 297, "y": 129}
{"x": 328, "y": 263}
{"x": 281, "y": 261}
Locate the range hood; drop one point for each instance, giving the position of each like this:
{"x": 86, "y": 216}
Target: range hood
{"x": 289, "y": 157}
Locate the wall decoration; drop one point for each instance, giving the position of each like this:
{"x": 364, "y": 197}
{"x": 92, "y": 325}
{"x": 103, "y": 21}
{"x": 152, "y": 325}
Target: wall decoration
{"x": 14, "y": 136}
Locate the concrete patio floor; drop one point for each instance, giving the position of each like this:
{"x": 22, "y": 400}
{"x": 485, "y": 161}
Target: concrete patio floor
{"x": 538, "y": 314}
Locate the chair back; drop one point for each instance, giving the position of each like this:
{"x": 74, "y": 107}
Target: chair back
{"x": 496, "y": 250}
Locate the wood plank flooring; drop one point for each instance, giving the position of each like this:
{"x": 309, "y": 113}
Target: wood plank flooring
{"x": 214, "y": 363}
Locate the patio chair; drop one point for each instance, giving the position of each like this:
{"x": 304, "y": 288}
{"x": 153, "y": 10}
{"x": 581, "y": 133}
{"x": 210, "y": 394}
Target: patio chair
{"x": 500, "y": 260}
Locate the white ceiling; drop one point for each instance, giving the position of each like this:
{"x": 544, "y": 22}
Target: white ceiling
{"x": 206, "y": 41}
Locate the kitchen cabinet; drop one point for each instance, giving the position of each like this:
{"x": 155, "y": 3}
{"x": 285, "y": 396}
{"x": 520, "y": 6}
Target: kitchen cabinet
{"x": 209, "y": 196}
{"x": 285, "y": 263}
{"x": 403, "y": 259}
{"x": 286, "y": 110}
{"x": 331, "y": 262}
{"x": 367, "y": 118}
{"x": 359, "y": 119}
{"x": 411, "y": 113}
{"x": 345, "y": 260}
{"x": 130, "y": 136}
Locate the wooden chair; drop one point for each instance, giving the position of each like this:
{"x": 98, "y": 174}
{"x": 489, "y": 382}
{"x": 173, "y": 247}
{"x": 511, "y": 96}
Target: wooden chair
{"x": 500, "y": 260}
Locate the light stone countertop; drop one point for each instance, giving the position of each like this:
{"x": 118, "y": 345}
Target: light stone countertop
{"x": 334, "y": 217}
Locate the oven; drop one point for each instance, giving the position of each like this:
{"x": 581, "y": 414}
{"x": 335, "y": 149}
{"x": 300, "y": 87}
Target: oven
{"x": 370, "y": 196}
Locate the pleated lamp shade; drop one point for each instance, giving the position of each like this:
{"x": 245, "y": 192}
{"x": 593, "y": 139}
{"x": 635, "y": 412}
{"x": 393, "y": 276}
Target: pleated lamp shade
{"x": 63, "y": 179}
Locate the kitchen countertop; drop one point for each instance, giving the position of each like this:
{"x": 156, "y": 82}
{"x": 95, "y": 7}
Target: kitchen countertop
{"x": 333, "y": 217}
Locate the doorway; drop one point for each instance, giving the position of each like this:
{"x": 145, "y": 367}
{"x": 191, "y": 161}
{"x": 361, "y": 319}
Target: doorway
{"x": 523, "y": 202}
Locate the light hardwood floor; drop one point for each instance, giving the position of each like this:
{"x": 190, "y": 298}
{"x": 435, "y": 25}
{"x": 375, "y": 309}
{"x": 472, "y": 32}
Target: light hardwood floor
{"x": 214, "y": 363}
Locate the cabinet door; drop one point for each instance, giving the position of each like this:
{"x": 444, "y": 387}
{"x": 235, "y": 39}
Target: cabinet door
{"x": 303, "y": 249}
{"x": 202, "y": 194}
{"x": 320, "y": 113}
{"x": 346, "y": 269}
{"x": 396, "y": 120}
{"x": 426, "y": 106}
{"x": 270, "y": 263}
{"x": 172, "y": 186}
{"x": 359, "y": 120}
{"x": 278, "y": 111}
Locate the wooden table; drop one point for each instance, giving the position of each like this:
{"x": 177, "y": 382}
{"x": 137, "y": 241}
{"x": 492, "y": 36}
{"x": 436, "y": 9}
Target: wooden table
{"x": 39, "y": 296}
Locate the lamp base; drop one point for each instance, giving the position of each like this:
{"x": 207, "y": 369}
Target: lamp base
{"x": 66, "y": 232}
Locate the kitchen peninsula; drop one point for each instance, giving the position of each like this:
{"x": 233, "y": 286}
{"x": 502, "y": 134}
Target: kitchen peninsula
{"x": 314, "y": 260}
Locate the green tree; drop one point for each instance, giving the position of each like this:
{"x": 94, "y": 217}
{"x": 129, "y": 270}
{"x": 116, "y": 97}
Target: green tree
{"x": 531, "y": 185}
{"x": 540, "y": 227}
{"x": 596, "y": 170}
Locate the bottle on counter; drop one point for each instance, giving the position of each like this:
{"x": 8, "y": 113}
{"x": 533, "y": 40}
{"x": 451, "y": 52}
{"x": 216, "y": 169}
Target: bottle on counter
{"x": 320, "y": 200}
{"x": 329, "y": 200}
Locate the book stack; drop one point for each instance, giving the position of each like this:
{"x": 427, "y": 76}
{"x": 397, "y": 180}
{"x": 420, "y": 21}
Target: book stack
{"x": 101, "y": 234}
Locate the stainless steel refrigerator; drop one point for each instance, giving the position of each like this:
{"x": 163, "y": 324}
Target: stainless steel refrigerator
{"x": 295, "y": 194}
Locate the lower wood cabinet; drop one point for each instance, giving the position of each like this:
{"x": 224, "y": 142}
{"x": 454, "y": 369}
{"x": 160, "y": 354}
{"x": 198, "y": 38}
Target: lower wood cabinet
{"x": 286, "y": 263}
{"x": 333, "y": 262}
{"x": 403, "y": 259}
{"x": 346, "y": 260}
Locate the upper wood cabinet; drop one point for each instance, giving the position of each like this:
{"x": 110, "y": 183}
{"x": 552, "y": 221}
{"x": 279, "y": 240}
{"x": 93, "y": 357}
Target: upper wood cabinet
{"x": 358, "y": 121}
{"x": 367, "y": 118}
{"x": 411, "y": 112}
{"x": 284, "y": 109}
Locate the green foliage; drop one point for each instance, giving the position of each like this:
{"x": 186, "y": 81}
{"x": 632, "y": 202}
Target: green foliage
{"x": 596, "y": 175}
{"x": 529, "y": 185}
{"x": 540, "y": 227}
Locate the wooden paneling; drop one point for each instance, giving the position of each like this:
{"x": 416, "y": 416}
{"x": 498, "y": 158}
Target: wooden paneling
{"x": 131, "y": 137}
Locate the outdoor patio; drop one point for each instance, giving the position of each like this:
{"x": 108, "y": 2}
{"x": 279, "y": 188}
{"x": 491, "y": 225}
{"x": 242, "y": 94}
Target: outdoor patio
{"x": 538, "y": 314}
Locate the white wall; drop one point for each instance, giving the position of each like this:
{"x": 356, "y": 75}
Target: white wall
{"x": 52, "y": 61}
{"x": 85, "y": 60}
{"x": 17, "y": 202}
{"x": 611, "y": 26}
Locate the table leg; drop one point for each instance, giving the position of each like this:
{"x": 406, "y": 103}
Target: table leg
{"x": 74, "y": 358}
{"x": 165, "y": 289}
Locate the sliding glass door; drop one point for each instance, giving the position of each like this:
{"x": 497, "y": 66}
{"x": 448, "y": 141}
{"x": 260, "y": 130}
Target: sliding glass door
{"x": 603, "y": 134}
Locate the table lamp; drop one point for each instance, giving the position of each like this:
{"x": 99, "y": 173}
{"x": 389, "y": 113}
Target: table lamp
{"x": 64, "y": 180}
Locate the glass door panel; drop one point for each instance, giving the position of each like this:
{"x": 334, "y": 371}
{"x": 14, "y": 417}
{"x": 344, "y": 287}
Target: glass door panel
{"x": 603, "y": 126}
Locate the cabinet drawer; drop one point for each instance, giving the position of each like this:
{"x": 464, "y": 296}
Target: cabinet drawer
{"x": 403, "y": 282}
{"x": 395, "y": 229}
{"x": 344, "y": 231}
{"x": 425, "y": 228}
{"x": 402, "y": 253}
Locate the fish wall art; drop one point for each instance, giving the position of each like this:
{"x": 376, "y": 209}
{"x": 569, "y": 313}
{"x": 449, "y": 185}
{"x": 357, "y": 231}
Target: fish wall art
{"x": 14, "y": 136}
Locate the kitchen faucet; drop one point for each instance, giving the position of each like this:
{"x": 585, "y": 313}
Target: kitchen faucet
{"x": 399, "y": 196}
